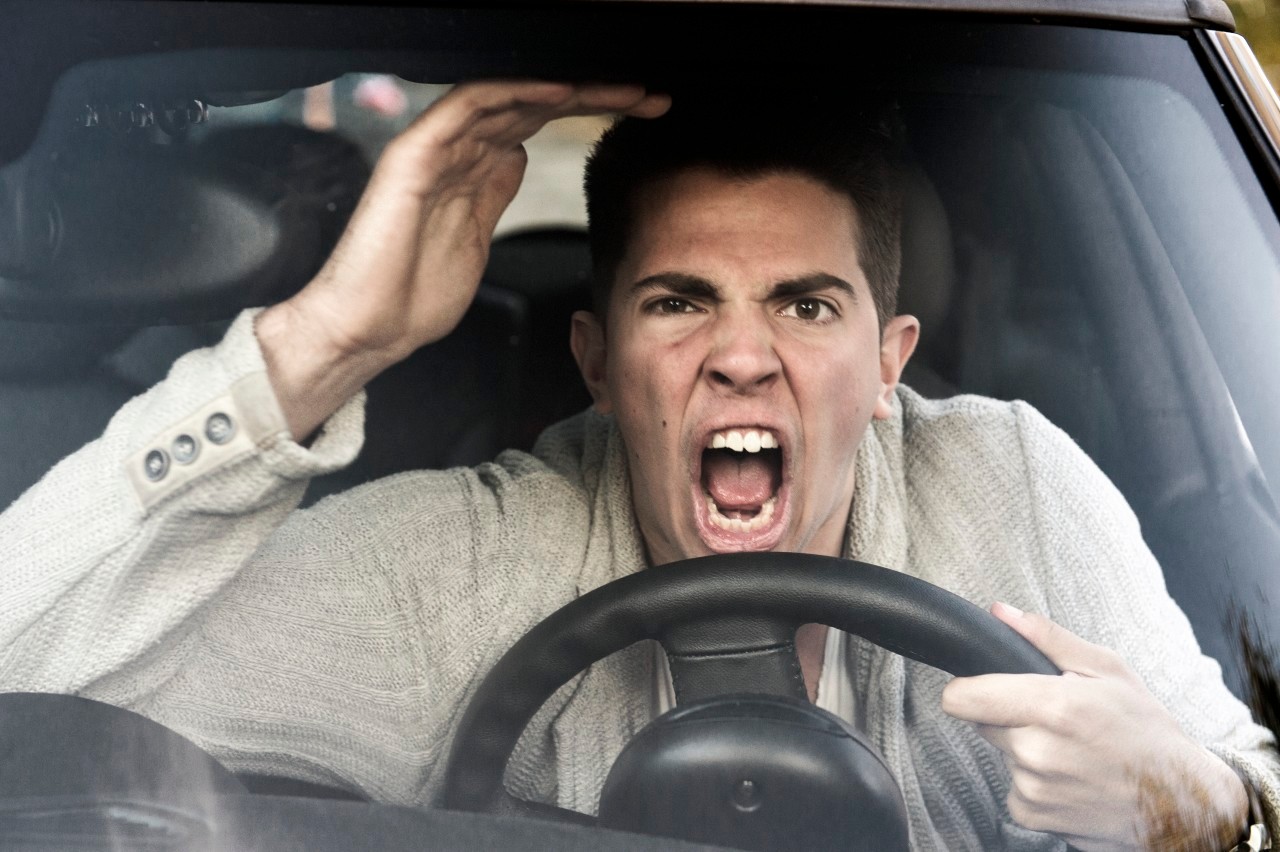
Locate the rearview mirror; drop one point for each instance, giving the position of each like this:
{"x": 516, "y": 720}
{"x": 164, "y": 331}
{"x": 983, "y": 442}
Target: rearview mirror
{"x": 148, "y": 233}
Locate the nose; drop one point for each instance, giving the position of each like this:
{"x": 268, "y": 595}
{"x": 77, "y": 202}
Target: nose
{"x": 742, "y": 357}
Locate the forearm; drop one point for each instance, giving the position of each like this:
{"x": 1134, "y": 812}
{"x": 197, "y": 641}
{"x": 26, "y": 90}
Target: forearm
{"x": 105, "y": 565}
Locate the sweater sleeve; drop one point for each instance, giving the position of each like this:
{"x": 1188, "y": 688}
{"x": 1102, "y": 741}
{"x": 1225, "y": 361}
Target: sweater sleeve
{"x": 108, "y": 563}
{"x": 1104, "y": 584}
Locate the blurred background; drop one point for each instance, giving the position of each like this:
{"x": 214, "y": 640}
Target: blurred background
{"x": 1259, "y": 22}
{"x": 369, "y": 109}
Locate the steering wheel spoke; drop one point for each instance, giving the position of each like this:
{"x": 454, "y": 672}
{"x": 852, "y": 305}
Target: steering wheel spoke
{"x": 734, "y": 653}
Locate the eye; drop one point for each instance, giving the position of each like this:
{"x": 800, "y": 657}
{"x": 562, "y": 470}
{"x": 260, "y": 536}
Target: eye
{"x": 672, "y": 305}
{"x": 811, "y": 310}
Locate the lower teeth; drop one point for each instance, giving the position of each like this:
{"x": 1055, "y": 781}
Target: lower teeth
{"x": 759, "y": 522}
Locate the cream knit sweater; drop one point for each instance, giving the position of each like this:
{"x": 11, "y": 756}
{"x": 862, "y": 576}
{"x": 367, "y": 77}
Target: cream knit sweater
{"x": 340, "y": 644}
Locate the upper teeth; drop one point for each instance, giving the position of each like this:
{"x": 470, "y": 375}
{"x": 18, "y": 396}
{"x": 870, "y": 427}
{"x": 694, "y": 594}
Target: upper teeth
{"x": 738, "y": 440}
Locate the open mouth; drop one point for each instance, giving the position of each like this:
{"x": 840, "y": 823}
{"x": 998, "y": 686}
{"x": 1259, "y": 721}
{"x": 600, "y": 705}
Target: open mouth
{"x": 741, "y": 480}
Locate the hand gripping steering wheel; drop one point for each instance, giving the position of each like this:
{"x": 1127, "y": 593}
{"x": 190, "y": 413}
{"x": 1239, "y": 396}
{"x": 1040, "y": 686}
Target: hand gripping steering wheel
{"x": 727, "y": 624}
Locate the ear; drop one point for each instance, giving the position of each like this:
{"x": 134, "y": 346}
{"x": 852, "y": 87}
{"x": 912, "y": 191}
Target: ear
{"x": 896, "y": 345}
{"x": 586, "y": 339}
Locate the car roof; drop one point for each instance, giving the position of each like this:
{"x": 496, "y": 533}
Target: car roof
{"x": 88, "y": 31}
{"x": 1213, "y": 14}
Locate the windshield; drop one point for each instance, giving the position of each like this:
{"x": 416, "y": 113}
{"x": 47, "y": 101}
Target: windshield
{"x": 1083, "y": 230}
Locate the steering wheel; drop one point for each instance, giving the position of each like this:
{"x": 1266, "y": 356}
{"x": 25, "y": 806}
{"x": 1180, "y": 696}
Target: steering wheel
{"x": 727, "y": 624}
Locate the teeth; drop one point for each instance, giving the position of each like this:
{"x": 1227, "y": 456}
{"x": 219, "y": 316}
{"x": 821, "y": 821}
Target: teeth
{"x": 749, "y": 441}
{"x": 759, "y": 522}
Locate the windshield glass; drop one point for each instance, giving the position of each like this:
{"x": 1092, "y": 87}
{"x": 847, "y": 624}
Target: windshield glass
{"x": 1083, "y": 230}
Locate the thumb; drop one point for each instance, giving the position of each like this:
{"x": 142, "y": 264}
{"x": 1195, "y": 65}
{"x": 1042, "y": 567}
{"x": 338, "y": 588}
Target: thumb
{"x": 1064, "y": 649}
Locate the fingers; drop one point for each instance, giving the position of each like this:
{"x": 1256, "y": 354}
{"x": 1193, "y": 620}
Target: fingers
{"x": 597, "y": 98}
{"x": 1031, "y": 750}
{"x": 506, "y": 113}
{"x": 491, "y": 96}
{"x": 1084, "y": 748}
{"x": 651, "y": 105}
{"x": 1004, "y": 700}
{"x": 1065, "y": 649}
{"x": 458, "y": 142}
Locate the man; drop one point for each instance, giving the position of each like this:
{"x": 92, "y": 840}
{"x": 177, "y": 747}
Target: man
{"x": 744, "y": 361}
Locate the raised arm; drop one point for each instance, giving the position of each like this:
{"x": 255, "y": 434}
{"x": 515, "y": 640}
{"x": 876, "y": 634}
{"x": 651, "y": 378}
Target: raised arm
{"x": 409, "y": 265}
{"x": 110, "y": 563}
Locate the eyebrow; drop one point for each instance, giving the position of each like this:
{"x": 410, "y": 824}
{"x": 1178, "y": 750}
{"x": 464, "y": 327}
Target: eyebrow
{"x": 807, "y": 285}
{"x": 696, "y": 287}
{"x": 678, "y": 284}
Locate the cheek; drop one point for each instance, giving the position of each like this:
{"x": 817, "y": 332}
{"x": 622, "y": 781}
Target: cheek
{"x": 843, "y": 380}
{"x": 653, "y": 378}
{"x": 836, "y": 402}
{"x": 650, "y": 390}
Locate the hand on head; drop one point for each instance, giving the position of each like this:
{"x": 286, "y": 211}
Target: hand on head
{"x": 1093, "y": 756}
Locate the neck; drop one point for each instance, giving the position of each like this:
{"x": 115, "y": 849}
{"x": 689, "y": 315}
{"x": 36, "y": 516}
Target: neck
{"x": 811, "y": 644}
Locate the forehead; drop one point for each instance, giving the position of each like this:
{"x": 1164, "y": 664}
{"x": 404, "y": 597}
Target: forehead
{"x": 706, "y": 188}
{"x": 706, "y": 222}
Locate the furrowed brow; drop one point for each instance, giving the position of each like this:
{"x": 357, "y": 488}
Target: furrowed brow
{"x": 808, "y": 285}
{"x": 677, "y": 284}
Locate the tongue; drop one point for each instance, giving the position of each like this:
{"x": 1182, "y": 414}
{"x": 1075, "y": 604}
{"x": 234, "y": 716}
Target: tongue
{"x": 739, "y": 480}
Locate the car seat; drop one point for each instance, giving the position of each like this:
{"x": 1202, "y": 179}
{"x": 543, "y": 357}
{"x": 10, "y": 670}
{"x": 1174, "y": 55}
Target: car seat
{"x": 60, "y": 382}
{"x": 56, "y": 394}
{"x": 1075, "y": 308}
{"x": 452, "y": 403}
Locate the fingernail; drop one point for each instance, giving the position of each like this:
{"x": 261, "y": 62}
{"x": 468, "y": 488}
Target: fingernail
{"x": 1011, "y": 609}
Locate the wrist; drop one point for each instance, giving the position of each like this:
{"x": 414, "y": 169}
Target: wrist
{"x": 1254, "y": 835}
{"x": 311, "y": 371}
{"x": 1230, "y": 798}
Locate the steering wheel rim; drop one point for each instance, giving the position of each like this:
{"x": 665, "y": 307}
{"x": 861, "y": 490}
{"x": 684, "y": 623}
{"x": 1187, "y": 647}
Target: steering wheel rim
{"x": 749, "y": 603}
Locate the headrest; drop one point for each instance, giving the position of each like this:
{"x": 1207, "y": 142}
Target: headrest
{"x": 928, "y": 274}
{"x": 541, "y": 263}
{"x": 45, "y": 351}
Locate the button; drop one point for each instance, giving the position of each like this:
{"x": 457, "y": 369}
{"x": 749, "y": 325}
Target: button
{"x": 219, "y": 428}
{"x": 185, "y": 449}
{"x": 156, "y": 465}
{"x": 746, "y": 796}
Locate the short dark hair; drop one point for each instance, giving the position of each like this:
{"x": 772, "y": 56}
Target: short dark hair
{"x": 854, "y": 151}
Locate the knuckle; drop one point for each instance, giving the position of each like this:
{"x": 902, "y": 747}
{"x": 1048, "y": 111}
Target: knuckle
{"x": 1112, "y": 663}
{"x": 1063, "y": 712}
{"x": 395, "y": 150}
{"x": 1023, "y": 812}
{"x": 951, "y": 694}
{"x": 406, "y": 150}
{"x": 1038, "y": 755}
{"x": 1054, "y": 713}
{"x": 1034, "y": 789}
{"x": 466, "y": 98}
{"x": 1039, "y": 624}
{"x": 1017, "y": 808}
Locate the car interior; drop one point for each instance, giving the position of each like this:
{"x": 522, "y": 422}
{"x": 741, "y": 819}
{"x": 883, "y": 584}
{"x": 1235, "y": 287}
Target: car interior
{"x": 1056, "y": 248}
